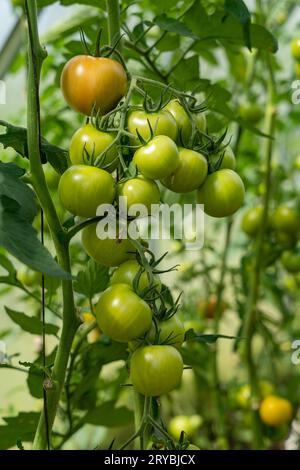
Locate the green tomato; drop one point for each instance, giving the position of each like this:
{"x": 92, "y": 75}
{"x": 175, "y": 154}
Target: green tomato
{"x": 297, "y": 159}
{"x": 162, "y": 123}
{"x": 121, "y": 314}
{"x": 200, "y": 122}
{"x": 182, "y": 119}
{"x": 109, "y": 252}
{"x": 170, "y": 332}
{"x": 192, "y": 447}
{"x": 126, "y": 273}
{"x": 285, "y": 219}
{"x": 252, "y": 220}
{"x": 189, "y": 424}
{"x": 28, "y": 277}
{"x": 222, "y": 193}
{"x": 156, "y": 370}
{"x": 157, "y": 159}
{"x": 52, "y": 177}
{"x": 88, "y": 143}
{"x": 190, "y": 173}
{"x": 285, "y": 240}
{"x": 228, "y": 158}
{"x": 295, "y": 48}
{"x": 251, "y": 112}
{"x": 83, "y": 188}
{"x": 140, "y": 190}
{"x": 291, "y": 260}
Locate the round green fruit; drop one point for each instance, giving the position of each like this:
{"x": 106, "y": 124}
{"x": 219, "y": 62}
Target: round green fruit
{"x": 222, "y": 193}
{"x": 121, "y": 314}
{"x": 190, "y": 174}
{"x": 83, "y": 188}
{"x": 156, "y": 370}
{"x": 88, "y": 143}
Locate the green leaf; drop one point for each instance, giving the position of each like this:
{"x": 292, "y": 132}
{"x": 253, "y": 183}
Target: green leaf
{"x": 173, "y": 26}
{"x": 109, "y": 416}
{"x": 18, "y": 428}
{"x": 238, "y": 10}
{"x": 19, "y": 238}
{"x": 12, "y": 187}
{"x": 190, "y": 335}
{"x": 189, "y": 69}
{"x": 16, "y": 137}
{"x": 32, "y": 325}
{"x": 91, "y": 280}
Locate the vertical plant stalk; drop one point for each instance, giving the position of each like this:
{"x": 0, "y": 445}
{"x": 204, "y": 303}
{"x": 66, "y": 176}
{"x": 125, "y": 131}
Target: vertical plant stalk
{"x": 36, "y": 56}
{"x": 220, "y": 419}
{"x": 113, "y": 19}
{"x": 251, "y": 308}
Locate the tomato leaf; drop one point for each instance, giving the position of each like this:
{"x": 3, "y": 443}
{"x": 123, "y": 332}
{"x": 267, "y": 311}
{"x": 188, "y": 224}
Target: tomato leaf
{"x": 16, "y": 137}
{"x": 32, "y": 325}
{"x": 173, "y": 25}
{"x": 19, "y": 238}
{"x": 190, "y": 335}
{"x": 238, "y": 9}
{"x": 18, "y": 428}
{"x": 91, "y": 280}
{"x": 109, "y": 416}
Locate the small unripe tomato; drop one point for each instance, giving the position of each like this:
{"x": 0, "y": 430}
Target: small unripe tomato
{"x": 140, "y": 190}
{"x": 228, "y": 158}
{"x": 83, "y": 188}
{"x": 156, "y": 370}
{"x": 291, "y": 261}
{"x": 109, "y": 252}
{"x": 286, "y": 240}
{"x": 126, "y": 273}
{"x": 190, "y": 174}
{"x": 243, "y": 395}
{"x": 93, "y": 84}
{"x": 88, "y": 142}
{"x": 285, "y": 219}
{"x": 222, "y": 193}
{"x": 251, "y": 112}
{"x": 170, "y": 332}
{"x": 28, "y": 277}
{"x": 51, "y": 176}
{"x": 297, "y": 69}
{"x": 157, "y": 159}
{"x": 161, "y": 122}
{"x": 121, "y": 314}
{"x": 182, "y": 119}
{"x": 297, "y": 159}
{"x": 189, "y": 424}
{"x": 295, "y": 48}
{"x": 252, "y": 220}
{"x": 275, "y": 410}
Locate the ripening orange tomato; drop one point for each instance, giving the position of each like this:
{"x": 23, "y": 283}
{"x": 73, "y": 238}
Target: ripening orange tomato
{"x": 93, "y": 83}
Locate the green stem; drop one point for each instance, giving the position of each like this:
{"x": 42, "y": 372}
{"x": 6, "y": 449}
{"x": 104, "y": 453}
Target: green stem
{"x": 138, "y": 415}
{"x": 113, "y": 11}
{"x": 251, "y": 308}
{"x": 36, "y": 56}
{"x": 221, "y": 425}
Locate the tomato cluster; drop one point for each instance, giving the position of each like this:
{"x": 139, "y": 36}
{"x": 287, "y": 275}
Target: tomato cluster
{"x": 169, "y": 148}
{"x": 283, "y": 234}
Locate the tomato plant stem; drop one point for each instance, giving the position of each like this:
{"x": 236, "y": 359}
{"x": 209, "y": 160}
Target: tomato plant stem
{"x": 113, "y": 11}
{"x": 251, "y": 308}
{"x": 36, "y": 55}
